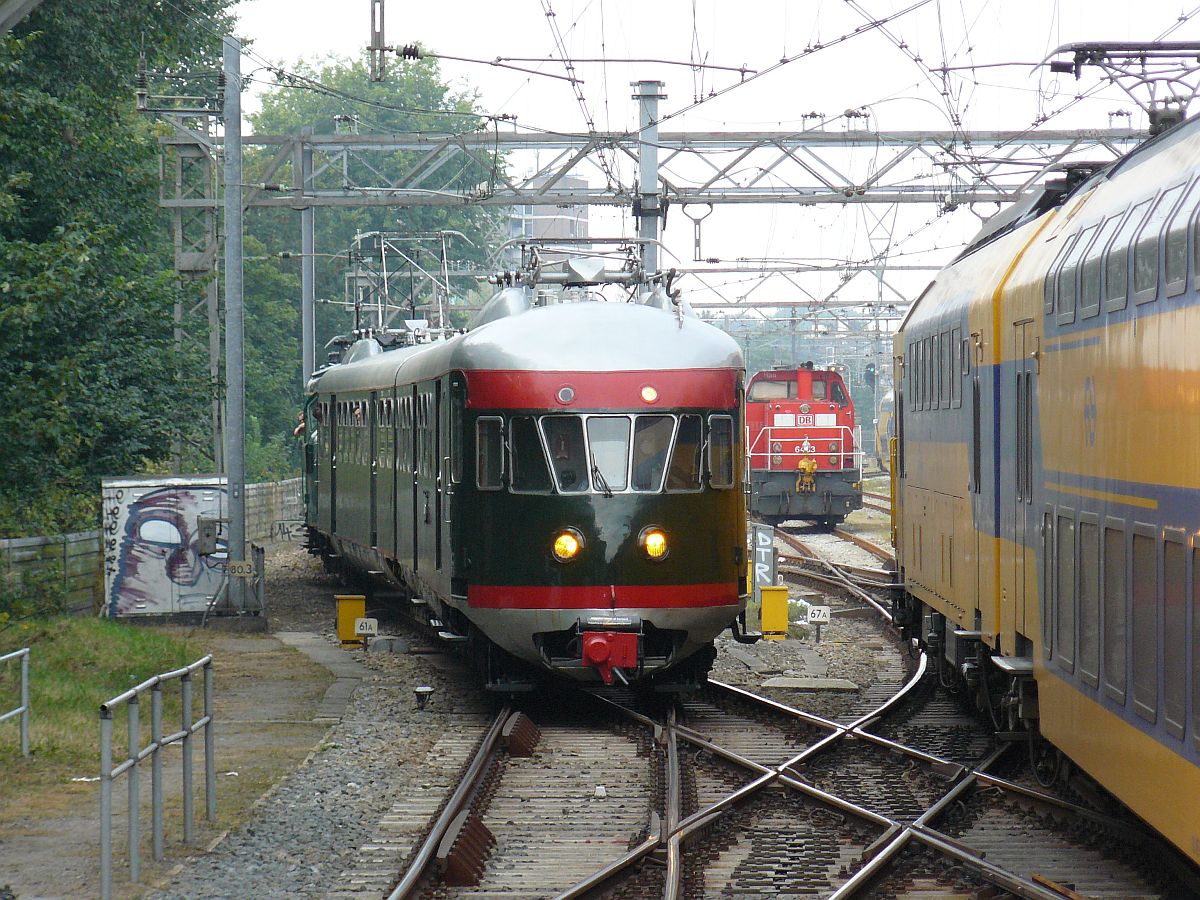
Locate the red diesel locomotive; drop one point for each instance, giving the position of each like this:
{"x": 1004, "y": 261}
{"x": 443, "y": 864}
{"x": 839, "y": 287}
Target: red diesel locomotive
{"x": 804, "y": 448}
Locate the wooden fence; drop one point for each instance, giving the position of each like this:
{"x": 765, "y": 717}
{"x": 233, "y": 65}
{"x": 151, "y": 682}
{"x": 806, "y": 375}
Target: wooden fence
{"x": 274, "y": 510}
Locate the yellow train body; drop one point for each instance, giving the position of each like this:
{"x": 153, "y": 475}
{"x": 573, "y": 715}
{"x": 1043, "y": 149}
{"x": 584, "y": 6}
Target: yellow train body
{"x": 1047, "y": 513}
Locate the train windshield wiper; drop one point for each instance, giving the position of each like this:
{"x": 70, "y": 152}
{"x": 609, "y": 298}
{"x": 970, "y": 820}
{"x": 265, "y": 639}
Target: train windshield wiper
{"x": 601, "y": 480}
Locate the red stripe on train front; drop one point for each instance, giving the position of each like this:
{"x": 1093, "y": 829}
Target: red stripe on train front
{"x": 623, "y": 596}
{"x": 489, "y": 389}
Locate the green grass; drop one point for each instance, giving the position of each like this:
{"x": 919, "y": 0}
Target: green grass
{"x": 75, "y": 665}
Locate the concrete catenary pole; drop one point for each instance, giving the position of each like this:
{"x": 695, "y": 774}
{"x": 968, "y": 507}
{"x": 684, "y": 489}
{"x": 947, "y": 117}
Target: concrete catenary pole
{"x": 235, "y": 374}
{"x": 648, "y": 94}
{"x": 308, "y": 280}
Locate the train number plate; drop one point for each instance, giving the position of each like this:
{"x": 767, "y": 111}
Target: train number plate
{"x": 818, "y": 615}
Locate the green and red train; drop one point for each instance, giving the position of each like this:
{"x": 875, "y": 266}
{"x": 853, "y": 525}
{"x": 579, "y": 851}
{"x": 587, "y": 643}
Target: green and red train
{"x": 560, "y": 486}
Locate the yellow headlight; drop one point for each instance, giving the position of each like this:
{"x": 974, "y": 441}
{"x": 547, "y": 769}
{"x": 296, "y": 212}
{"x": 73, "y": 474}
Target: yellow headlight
{"x": 654, "y": 542}
{"x": 567, "y": 545}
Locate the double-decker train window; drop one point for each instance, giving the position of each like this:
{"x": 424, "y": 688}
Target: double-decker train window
{"x": 1050, "y": 287}
{"x": 651, "y": 444}
{"x": 720, "y": 451}
{"x": 1064, "y": 591}
{"x": 489, "y": 453}
{"x": 1196, "y": 646}
{"x": 1175, "y": 251}
{"x": 957, "y": 367}
{"x": 1065, "y": 294}
{"x": 527, "y": 460}
{"x": 684, "y": 474}
{"x": 1115, "y": 621}
{"x": 935, "y": 381}
{"x": 608, "y": 439}
{"x": 568, "y": 456}
{"x": 1175, "y": 638}
{"x": 1145, "y": 252}
{"x": 1089, "y": 599}
{"x": 1145, "y": 622}
{"x": 1116, "y": 261}
{"x": 1091, "y": 267}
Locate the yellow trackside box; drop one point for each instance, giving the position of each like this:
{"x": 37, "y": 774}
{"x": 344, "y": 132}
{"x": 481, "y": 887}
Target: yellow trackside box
{"x": 350, "y": 607}
{"x": 774, "y": 612}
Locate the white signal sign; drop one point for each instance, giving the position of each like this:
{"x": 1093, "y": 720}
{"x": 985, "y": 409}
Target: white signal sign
{"x": 366, "y": 627}
{"x": 818, "y": 615}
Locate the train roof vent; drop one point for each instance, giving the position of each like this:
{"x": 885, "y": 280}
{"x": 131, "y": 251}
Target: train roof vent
{"x": 510, "y": 301}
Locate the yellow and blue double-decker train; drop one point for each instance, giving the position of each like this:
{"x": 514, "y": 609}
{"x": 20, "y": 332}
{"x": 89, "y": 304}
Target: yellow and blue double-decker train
{"x": 1047, "y": 511}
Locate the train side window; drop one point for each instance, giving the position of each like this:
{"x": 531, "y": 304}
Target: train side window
{"x": 1114, "y": 606}
{"x": 947, "y": 375}
{"x": 956, "y": 367}
{"x": 1089, "y": 599}
{"x": 1145, "y": 622}
{"x": 1051, "y": 284}
{"x": 720, "y": 451}
{"x": 1195, "y": 645}
{"x": 489, "y": 453}
{"x": 568, "y": 455}
{"x": 976, "y": 438}
{"x": 1065, "y": 294}
{"x": 684, "y": 474}
{"x": 935, "y": 381}
{"x": 651, "y": 444}
{"x": 1175, "y": 252}
{"x": 527, "y": 459}
{"x": 1116, "y": 260}
{"x": 839, "y": 395}
{"x": 1145, "y": 251}
{"x": 1049, "y": 567}
{"x": 930, "y": 374}
{"x": 1064, "y": 590}
{"x": 1175, "y": 638}
{"x": 1091, "y": 269}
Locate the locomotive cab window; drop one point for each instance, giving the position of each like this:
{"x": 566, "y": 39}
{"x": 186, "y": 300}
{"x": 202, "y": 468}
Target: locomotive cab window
{"x": 564, "y": 439}
{"x": 527, "y": 459}
{"x": 651, "y": 444}
{"x": 720, "y": 451}
{"x": 608, "y": 438}
{"x": 839, "y": 395}
{"x": 489, "y": 454}
{"x": 684, "y": 474}
{"x": 769, "y": 390}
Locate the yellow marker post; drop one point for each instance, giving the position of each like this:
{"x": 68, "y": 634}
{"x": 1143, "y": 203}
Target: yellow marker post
{"x": 350, "y": 607}
{"x": 774, "y": 612}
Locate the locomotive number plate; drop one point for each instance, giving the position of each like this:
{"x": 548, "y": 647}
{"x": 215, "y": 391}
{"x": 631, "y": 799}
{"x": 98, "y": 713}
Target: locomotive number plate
{"x": 802, "y": 420}
{"x": 818, "y": 614}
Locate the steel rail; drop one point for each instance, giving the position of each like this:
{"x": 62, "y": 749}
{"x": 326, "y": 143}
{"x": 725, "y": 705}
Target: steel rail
{"x": 458, "y": 800}
{"x": 673, "y": 884}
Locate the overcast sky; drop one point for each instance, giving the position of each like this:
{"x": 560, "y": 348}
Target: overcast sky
{"x": 884, "y": 71}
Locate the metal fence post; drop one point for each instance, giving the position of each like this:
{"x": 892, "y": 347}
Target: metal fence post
{"x": 105, "y": 803}
{"x": 210, "y": 761}
{"x": 156, "y": 797}
{"x": 187, "y": 758}
{"x": 25, "y": 704}
{"x": 135, "y": 818}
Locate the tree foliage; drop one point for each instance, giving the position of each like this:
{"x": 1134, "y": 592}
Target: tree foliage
{"x": 86, "y": 269}
{"x": 339, "y": 95}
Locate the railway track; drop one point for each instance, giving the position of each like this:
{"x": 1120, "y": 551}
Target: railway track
{"x": 894, "y": 789}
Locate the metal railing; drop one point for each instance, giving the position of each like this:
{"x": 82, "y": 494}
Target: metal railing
{"x": 136, "y": 753}
{"x": 23, "y": 709}
{"x": 793, "y": 448}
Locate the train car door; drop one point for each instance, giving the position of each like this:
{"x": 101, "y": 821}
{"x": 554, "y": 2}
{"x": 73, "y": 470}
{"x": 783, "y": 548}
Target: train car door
{"x": 329, "y": 517}
{"x": 439, "y": 471}
{"x": 1022, "y": 404}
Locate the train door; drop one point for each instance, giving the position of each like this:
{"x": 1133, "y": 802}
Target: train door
{"x": 439, "y": 472}
{"x": 335, "y": 420}
{"x": 1022, "y": 403}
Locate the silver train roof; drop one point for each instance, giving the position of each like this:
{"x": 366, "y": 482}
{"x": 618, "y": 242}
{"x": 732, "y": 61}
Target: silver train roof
{"x": 590, "y": 336}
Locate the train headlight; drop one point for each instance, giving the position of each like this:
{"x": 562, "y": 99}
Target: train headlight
{"x": 804, "y": 408}
{"x": 834, "y": 460}
{"x": 568, "y": 544}
{"x": 777, "y": 447}
{"x": 833, "y": 446}
{"x": 654, "y": 543}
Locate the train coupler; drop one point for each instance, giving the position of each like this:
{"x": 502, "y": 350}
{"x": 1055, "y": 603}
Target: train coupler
{"x": 610, "y": 651}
